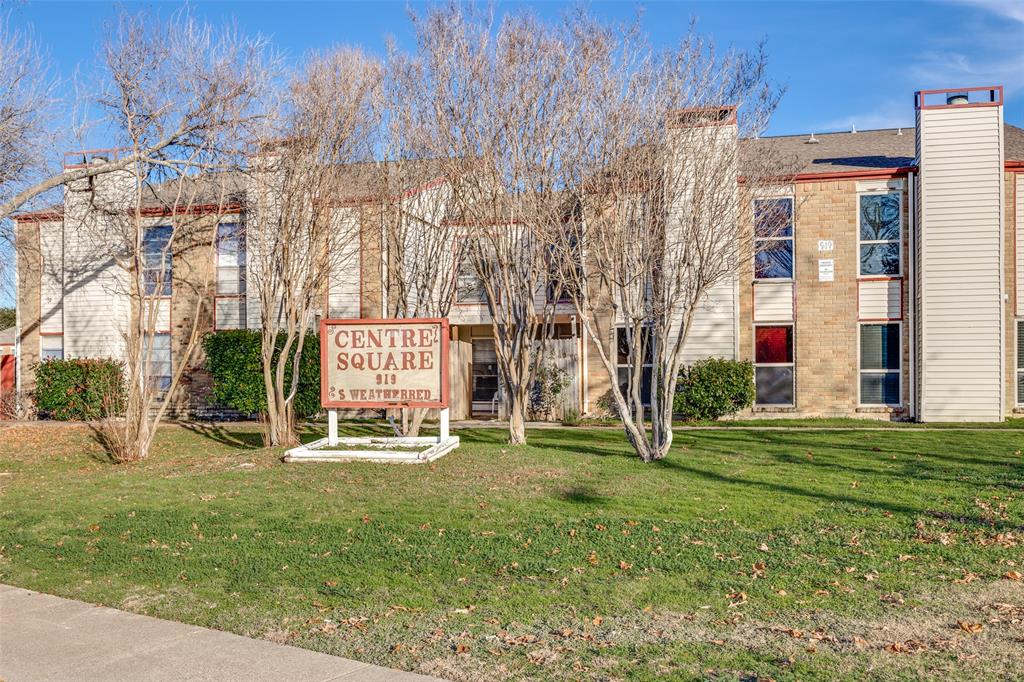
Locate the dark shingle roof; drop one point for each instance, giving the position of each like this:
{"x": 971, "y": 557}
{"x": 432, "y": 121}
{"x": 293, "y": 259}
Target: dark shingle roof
{"x": 861, "y": 151}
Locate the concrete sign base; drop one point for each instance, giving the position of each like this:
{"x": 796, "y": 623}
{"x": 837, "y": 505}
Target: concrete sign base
{"x": 408, "y": 450}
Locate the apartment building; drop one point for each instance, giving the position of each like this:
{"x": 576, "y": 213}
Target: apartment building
{"x": 894, "y": 291}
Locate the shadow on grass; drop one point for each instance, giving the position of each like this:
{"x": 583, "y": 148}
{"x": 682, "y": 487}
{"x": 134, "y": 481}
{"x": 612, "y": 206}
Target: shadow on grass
{"x": 580, "y": 494}
{"x": 789, "y": 489}
{"x": 236, "y": 438}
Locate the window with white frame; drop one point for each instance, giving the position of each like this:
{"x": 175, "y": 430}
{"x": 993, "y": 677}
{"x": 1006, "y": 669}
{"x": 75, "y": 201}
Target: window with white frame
{"x": 773, "y": 238}
{"x": 51, "y": 347}
{"x": 157, "y": 349}
{"x": 624, "y": 363}
{"x": 880, "y": 218}
{"x": 230, "y": 305}
{"x": 880, "y": 363}
{"x": 157, "y": 260}
{"x": 468, "y": 287}
{"x": 1020, "y": 362}
{"x": 774, "y": 369}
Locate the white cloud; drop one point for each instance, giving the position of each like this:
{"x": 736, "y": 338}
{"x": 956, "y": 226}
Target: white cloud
{"x": 1008, "y": 9}
{"x": 995, "y": 37}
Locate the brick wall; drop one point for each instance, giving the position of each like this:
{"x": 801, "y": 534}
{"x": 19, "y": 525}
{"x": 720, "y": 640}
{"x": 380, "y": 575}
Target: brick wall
{"x": 29, "y": 312}
{"x": 826, "y": 314}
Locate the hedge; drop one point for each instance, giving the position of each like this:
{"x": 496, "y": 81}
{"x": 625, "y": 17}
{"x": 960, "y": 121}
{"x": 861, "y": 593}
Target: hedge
{"x": 713, "y": 388}
{"x": 234, "y": 359}
{"x": 79, "y": 389}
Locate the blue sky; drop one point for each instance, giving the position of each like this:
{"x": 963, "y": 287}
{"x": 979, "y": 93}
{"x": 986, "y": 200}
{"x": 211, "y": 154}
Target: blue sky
{"x": 843, "y": 64}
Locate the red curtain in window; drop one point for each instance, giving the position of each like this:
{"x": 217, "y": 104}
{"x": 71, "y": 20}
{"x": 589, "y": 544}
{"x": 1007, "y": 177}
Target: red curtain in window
{"x": 773, "y": 344}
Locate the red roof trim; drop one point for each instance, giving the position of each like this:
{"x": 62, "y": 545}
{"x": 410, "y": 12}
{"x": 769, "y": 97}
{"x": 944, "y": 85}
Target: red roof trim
{"x": 856, "y": 174}
{"x": 38, "y": 216}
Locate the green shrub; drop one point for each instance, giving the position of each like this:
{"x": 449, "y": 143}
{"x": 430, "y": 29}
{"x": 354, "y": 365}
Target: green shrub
{"x": 714, "y": 388}
{"x": 233, "y": 358}
{"x": 79, "y": 389}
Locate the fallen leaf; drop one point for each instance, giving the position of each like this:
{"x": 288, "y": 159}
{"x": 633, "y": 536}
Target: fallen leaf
{"x": 1013, "y": 575}
{"x": 970, "y": 627}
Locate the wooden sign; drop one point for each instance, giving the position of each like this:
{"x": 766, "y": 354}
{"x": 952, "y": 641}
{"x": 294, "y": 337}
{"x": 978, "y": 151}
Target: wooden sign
{"x": 384, "y": 363}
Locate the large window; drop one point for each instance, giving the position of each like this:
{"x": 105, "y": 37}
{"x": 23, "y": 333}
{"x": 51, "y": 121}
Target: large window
{"x": 468, "y": 287}
{"x": 773, "y": 365}
{"x": 230, "y": 276}
{"x": 1020, "y": 362}
{"x": 880, "y": 360}
{"x": 485, "y": 376}
{"x": 624, "y": 363}
{"x": 880, "y": 226}
{"x": 773, "y": 238}
{"x": 157, "y": 260}
{"x": 51, "y": 347}
{"x": 158, "y": 353}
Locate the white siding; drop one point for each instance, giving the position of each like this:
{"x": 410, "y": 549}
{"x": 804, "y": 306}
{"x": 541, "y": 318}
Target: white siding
{"x": 469, "y": 313}
{"x": 773, "y": 301}
{"x": 880, "y": 299}
{"x": 96, "y": 304}
{"x": 51, "y": 286}
{"x": 713, "y": 330}
{"x": 960, "y": 194}
{"x": 345, "y": 277}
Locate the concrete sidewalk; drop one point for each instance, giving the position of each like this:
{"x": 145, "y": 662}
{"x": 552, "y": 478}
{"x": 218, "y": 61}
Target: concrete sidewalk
{"x": 43, "y": 637}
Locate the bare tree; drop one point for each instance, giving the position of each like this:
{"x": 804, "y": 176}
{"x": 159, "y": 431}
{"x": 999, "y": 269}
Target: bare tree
{"x": 418, "y": 238}
{"x": 25, "y": 104}
{"x": 501, "y": 100}
{"x": 166, "y": 80}
{"x": 663, "y": 193}
{"x": 298, "y": 227}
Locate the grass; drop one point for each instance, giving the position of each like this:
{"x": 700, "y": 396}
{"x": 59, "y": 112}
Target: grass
{"x": 794, "y": 554}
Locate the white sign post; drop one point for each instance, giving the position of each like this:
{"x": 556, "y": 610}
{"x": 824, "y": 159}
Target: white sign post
{"x": 372, "y": 364}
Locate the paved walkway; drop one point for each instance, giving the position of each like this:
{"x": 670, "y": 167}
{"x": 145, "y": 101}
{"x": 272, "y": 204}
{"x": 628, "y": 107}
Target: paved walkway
{"x": 48, "y": 638}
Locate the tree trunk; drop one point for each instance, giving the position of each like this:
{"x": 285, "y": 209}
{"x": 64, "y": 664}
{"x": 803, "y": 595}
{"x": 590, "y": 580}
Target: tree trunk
{"x": 517, "y": 416}
{"x": 412, "y": 421}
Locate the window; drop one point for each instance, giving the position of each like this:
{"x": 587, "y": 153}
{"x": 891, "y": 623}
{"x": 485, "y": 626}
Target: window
{"x": 773, "y": 238}
{"x": 485, "y": 376}
{"x": 230, "y": 260}
{"x": 230, "y": 263}
{"x": 1020, "y": 362}
{"x": 880, "y": 360}
{"x": 773, "y": 365}
{"x": 880, "y": 224}
{"x": 624, "y": 364}
{"x": 158, "y": 353}
{"x": 157, "y": 260}
{"x": 468, "y": 287}
{"x": 51, "y": 347}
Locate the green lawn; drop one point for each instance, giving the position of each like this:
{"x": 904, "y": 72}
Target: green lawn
{"x": 786, "y": 554}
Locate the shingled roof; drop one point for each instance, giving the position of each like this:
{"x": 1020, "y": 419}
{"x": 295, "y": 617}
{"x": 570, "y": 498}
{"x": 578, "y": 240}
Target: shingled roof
{"x": 863, "y": 150}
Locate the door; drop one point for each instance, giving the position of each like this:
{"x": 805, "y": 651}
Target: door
{"x": 6, "y": 386}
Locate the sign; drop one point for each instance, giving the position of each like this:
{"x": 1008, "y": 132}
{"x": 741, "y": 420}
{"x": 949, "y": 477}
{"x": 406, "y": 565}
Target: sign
{"x": 384, "y": 363}
{"x": 826, "y": 270}
{"x": 825, "y": 245}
